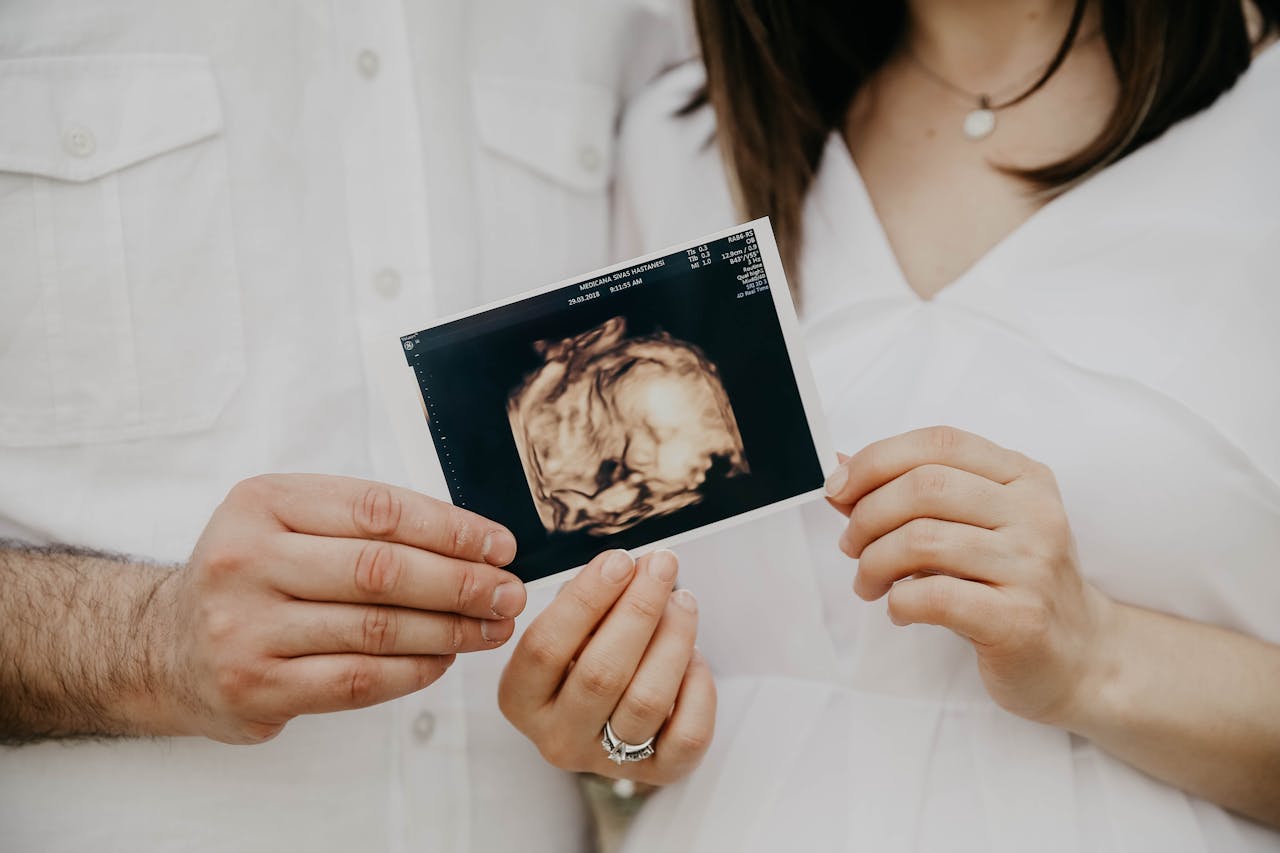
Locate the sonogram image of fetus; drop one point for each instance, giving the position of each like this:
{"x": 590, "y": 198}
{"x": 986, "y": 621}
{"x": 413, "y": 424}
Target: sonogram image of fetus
{"x": 613, "y": 431}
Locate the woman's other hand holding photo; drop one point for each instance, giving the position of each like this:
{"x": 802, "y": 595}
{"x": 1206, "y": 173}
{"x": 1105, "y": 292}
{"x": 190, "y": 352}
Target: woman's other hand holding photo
{"x": 962, "y": 533}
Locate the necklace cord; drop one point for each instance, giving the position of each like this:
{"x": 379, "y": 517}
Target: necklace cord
{"x": 1073, "y": 30}
{"x": 984, "y": 100}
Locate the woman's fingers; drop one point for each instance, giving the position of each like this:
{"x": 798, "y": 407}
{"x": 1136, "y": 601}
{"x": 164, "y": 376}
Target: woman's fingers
{"x": 308, "y": 628}
{"x": 930, "y": 491}
{"x": 542, "y": 658}
{"x": 969, "y": 608}
{"x": 648, "y": 699}
{"x": 926, "y": 545}
{"x": 688, "y": 732}
{"x": 608, "y": 662}
{"x": 883, "y": 461}
{"x": 614, "y": 648}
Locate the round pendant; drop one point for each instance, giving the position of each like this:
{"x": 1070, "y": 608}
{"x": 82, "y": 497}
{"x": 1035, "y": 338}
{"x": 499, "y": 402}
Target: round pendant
{"x": 979, "y": 123}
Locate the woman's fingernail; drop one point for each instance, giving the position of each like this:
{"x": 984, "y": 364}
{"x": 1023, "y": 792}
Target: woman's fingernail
{"x": 836, "y": 481}
{"x": 507, "y": 600}
{"x": 844, "y": 545}
{"x": 685, "y": 600}
{"x": 618, "y": 567}
{"x": 499, "y": 548}
{"x": 663, "y": 565}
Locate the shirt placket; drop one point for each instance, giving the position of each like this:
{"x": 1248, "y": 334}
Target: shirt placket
{"x": 391, "y": 283}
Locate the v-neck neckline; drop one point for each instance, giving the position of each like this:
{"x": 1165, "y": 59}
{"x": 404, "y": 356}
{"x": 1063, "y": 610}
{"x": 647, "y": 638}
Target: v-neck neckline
{"x": 842, "y": 158}
{"x": 851, "y": 180}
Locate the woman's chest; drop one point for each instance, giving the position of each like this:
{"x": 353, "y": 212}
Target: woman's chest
{"x": 1167, "y": 513}
{"x": 1152, "y": 405}
{"x": 945, "y": 199}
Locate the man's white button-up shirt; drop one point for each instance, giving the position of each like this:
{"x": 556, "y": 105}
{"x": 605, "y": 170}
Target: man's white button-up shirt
{"x": 203, "y": 205}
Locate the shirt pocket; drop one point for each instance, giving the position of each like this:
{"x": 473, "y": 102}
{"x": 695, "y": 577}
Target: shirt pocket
{"x": 119, "y": 300}
{"x": 545, "y": 167}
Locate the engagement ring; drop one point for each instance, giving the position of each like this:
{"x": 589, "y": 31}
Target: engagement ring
{"x": 620, "y": 751}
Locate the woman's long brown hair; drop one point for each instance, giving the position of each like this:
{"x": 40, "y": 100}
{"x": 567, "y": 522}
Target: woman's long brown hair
{"x": 781, "y": 75}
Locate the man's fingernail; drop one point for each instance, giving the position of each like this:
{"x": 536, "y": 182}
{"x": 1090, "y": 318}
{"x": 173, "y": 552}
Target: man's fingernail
{"x": 499, "y": 548}
{"x": 685, "y": 600}
{"x": 507, "y": 600}
{"x": 494, "y": 632}
{"x": 663, "y": 565}
{"x": 836, "y": 481}
{"x": 618, "y": 567}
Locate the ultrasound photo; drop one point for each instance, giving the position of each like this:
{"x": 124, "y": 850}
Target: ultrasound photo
{"x": 614, "y": 430}
{"x": 631, "y": 409}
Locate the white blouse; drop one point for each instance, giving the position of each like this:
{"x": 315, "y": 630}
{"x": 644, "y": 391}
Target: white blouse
{"x": 1125, "y": 335}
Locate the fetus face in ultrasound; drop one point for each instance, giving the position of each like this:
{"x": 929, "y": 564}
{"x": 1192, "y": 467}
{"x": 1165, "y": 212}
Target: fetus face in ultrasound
{"x": 613, "y": 431}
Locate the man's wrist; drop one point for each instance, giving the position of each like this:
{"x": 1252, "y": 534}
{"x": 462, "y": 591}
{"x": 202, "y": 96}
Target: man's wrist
{"x": 156, "y": 703}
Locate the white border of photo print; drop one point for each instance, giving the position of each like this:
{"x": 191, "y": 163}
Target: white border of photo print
{"x": 405, "y": 403}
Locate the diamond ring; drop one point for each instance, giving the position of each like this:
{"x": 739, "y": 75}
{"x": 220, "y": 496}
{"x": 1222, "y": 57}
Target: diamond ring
{"x": 620, "y": 751}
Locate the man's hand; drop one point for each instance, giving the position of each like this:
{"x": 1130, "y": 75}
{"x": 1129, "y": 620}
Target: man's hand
{"x": 305, "y": 594}
{"x": 308, "y": 594}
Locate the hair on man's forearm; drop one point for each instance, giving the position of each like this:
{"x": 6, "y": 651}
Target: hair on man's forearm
{"x": 75, "y": 639}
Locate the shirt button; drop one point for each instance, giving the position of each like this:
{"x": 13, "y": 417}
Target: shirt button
{"x": 424, "y": 726}
{"x": 368, "y": 64}
{"x": 79, "y": 142}
{"x": 387, "y": 283}
{"x": 589, "y": 158}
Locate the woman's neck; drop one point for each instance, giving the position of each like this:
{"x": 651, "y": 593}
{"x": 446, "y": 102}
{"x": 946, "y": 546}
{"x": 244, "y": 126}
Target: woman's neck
{"x": 984, "y": 45}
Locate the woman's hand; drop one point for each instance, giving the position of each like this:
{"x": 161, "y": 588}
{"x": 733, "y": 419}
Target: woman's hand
{"x": 962, "y": 533}
{"x": 615, "y": 645}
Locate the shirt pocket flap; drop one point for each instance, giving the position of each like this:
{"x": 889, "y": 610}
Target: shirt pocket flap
{"x": 562, "y": 130}
{"x": 84, "y": 117}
